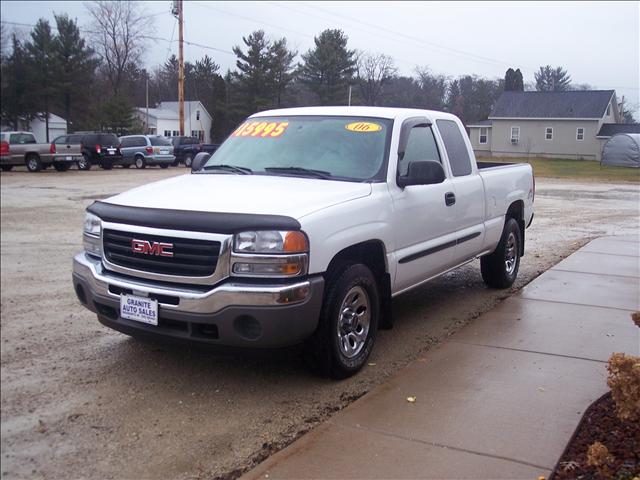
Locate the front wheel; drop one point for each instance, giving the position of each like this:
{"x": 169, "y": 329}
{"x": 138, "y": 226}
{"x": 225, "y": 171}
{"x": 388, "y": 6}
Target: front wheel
{"x": 33, "y": 163}
{"x": 500, "y": 269}
{"x": 348, "y": 322}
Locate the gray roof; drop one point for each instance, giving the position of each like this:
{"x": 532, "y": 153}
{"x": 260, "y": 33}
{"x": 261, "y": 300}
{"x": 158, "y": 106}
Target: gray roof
{"x": 610, "y": 129}
{"x": 481, "y": 123}
{"x": 572, "y": 104}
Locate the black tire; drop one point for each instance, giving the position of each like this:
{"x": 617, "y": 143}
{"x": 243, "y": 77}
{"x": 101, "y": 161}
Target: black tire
{"x": 33, "y": 163}
{"x": 139, "y": 162}
{"x": 85, "y": 163}
{"x": 188, "y": 159}
{"x": 164, "y": 165}
{"x": 353, "y": 284}
{"x": 500, "y": 268}
{"x": 61, "y": 166}
{"x": 106, "y": 164}
{"x": 6, "y": 168}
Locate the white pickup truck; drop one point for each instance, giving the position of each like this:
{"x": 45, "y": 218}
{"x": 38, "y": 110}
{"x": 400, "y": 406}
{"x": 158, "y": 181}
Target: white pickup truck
{"x": 300, "y": 228}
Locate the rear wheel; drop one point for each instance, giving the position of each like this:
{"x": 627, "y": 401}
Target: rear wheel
{"x": 139, "y": 162}
{"x": 188, "y": 159}
{"x": 6, "y": 168}
{"x": 85, "y": 163}
{"x": 348, "y": 322}
{"x": 107, "y": 164}
{"x": 500, "y": 269}
{"x": 33, "y": 163}
{"x": 164, "y": 165}
{"x": 61, "y": 166}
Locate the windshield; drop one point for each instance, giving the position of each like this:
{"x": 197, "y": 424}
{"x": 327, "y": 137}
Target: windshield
{"x": 159, "y": 141}
{"x": 341, "y": 148}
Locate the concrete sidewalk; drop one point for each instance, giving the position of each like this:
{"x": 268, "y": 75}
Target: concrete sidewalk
{"x": 499, "y": 399}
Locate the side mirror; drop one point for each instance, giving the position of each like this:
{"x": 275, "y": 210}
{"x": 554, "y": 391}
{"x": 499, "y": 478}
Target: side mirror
{"x": 199, "y": 160}
{"x": 426, "y": 172}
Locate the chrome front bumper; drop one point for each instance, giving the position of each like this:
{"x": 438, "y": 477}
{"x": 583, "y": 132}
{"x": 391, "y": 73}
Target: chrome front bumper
{"x": 231, "y": 313}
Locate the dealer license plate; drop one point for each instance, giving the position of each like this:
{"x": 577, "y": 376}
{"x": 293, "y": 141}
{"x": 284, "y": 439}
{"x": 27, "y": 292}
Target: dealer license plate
{"x": 139, "y": 309}
{"x": 68, "y": 158}
{"x": 164, "y": 152}
{"x": 111, "y": 151}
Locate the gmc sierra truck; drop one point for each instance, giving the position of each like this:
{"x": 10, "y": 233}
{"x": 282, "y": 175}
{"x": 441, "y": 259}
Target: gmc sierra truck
{"x": 300, "y": 229}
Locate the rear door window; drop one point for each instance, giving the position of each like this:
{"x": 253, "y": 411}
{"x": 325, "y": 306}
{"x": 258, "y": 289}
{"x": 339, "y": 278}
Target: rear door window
{"x": 159, "y": 141}
{"x": 126, "y": 142}
{"x": 14, "y": 138}
{"x": 90, "y": 140}
{"x": 456, "y": 147}
{"x": 27, "y": 138}
{"x": 61, "y": 140}
{"x": 421, "y": 146}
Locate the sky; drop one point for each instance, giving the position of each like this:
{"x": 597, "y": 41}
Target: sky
{"x": 598, "y": 43}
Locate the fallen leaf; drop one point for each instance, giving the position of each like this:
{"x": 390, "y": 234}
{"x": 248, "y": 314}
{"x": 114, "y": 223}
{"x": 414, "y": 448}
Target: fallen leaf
{"x": 411, "y": 399}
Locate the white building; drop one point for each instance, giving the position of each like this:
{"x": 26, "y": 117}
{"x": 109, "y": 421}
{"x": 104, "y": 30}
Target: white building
{"x": 57, "y": 127}
{"x": 165, "y": 120}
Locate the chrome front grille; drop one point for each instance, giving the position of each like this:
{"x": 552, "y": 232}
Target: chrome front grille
{"x": 191, "y": 257}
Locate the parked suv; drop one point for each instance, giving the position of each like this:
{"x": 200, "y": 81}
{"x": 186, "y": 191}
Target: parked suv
{"x": 143, "y": 150}
{"x": 98, "y": 149}
{"x": 185, "y": 148}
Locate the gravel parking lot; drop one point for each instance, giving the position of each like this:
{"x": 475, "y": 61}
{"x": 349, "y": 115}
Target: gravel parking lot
{"x": 80, "y": 400}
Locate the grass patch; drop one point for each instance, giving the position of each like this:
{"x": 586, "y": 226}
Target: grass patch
{"x": 576, "y": 169}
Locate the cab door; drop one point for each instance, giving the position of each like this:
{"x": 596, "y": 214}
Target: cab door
{"x": 468, "y": 188}
{"x": 424, "y": 222}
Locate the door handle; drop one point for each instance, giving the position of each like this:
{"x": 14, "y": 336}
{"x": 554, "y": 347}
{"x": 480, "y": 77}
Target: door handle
{"x": 449, "y": 198}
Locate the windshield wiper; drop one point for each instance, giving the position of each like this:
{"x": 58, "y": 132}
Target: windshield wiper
{"x": 300, "y": 171}
{"x": 231, "y": 168}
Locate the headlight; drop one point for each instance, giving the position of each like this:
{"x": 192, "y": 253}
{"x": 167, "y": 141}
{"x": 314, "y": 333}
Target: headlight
{"x": 92, "y": 225}
{"x": 271, "y": 241}
{"x": 270, "y": 253}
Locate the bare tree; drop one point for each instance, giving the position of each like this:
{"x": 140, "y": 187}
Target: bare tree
{"x": 120, "y": 31}
{"x": 373, "y": 72}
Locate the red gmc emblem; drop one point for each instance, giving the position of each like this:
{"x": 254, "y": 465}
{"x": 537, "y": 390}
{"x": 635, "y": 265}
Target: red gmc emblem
{"x": 152, "y": 248}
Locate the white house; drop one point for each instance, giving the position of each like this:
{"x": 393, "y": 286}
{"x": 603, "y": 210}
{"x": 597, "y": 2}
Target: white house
{"x": 164, "y": 120}
{"x": 57, "y": 127}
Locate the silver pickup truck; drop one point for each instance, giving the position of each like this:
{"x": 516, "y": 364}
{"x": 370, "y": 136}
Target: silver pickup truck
{"x": 21, "y": 148}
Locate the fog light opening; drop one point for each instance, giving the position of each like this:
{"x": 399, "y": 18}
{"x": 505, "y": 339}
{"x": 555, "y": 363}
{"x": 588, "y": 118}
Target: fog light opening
{"x": 80, "y": 293}
{"x": 247, "y": 327}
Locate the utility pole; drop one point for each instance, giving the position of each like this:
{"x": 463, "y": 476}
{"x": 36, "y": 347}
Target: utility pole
{"x": 147, "y": 124}
{"x": 349, "y": 95}
{"x": 181, "y": 64}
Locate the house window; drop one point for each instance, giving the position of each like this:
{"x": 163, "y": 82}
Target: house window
{"x": 548, "y": 133}
{"x": 176, "y": 133}
{"x": 483, "y": 136}
{"x": 167, "y": 133}
{"x": 199, "y": 134}
{"x": 580, "y": 134}
{"x": 197, "y": 114}
{"x": 608, "y": 109}
{"x": 515, "y": 134}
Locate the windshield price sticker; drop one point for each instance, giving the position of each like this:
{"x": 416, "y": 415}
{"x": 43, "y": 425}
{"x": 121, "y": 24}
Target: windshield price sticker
{"x": 261, "y": 129}
{"x": 363, "y": 127}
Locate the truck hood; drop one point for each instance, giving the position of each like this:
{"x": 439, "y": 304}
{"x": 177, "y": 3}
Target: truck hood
{"x": 258, "y": 194}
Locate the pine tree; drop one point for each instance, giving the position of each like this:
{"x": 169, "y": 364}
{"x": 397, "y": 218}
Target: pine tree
{"x": 549, "y": 79}
{"x": 17, "y": 99}
{"x": 254, "y": 83}
{"x": 41, "y": 61}
{"x": 329, "y": 67}
{"x": 74, "y": 65}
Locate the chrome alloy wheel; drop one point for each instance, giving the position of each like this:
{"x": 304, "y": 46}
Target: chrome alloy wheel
{"x": 511, "y": 254}
{"x": 353, "y": 324}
